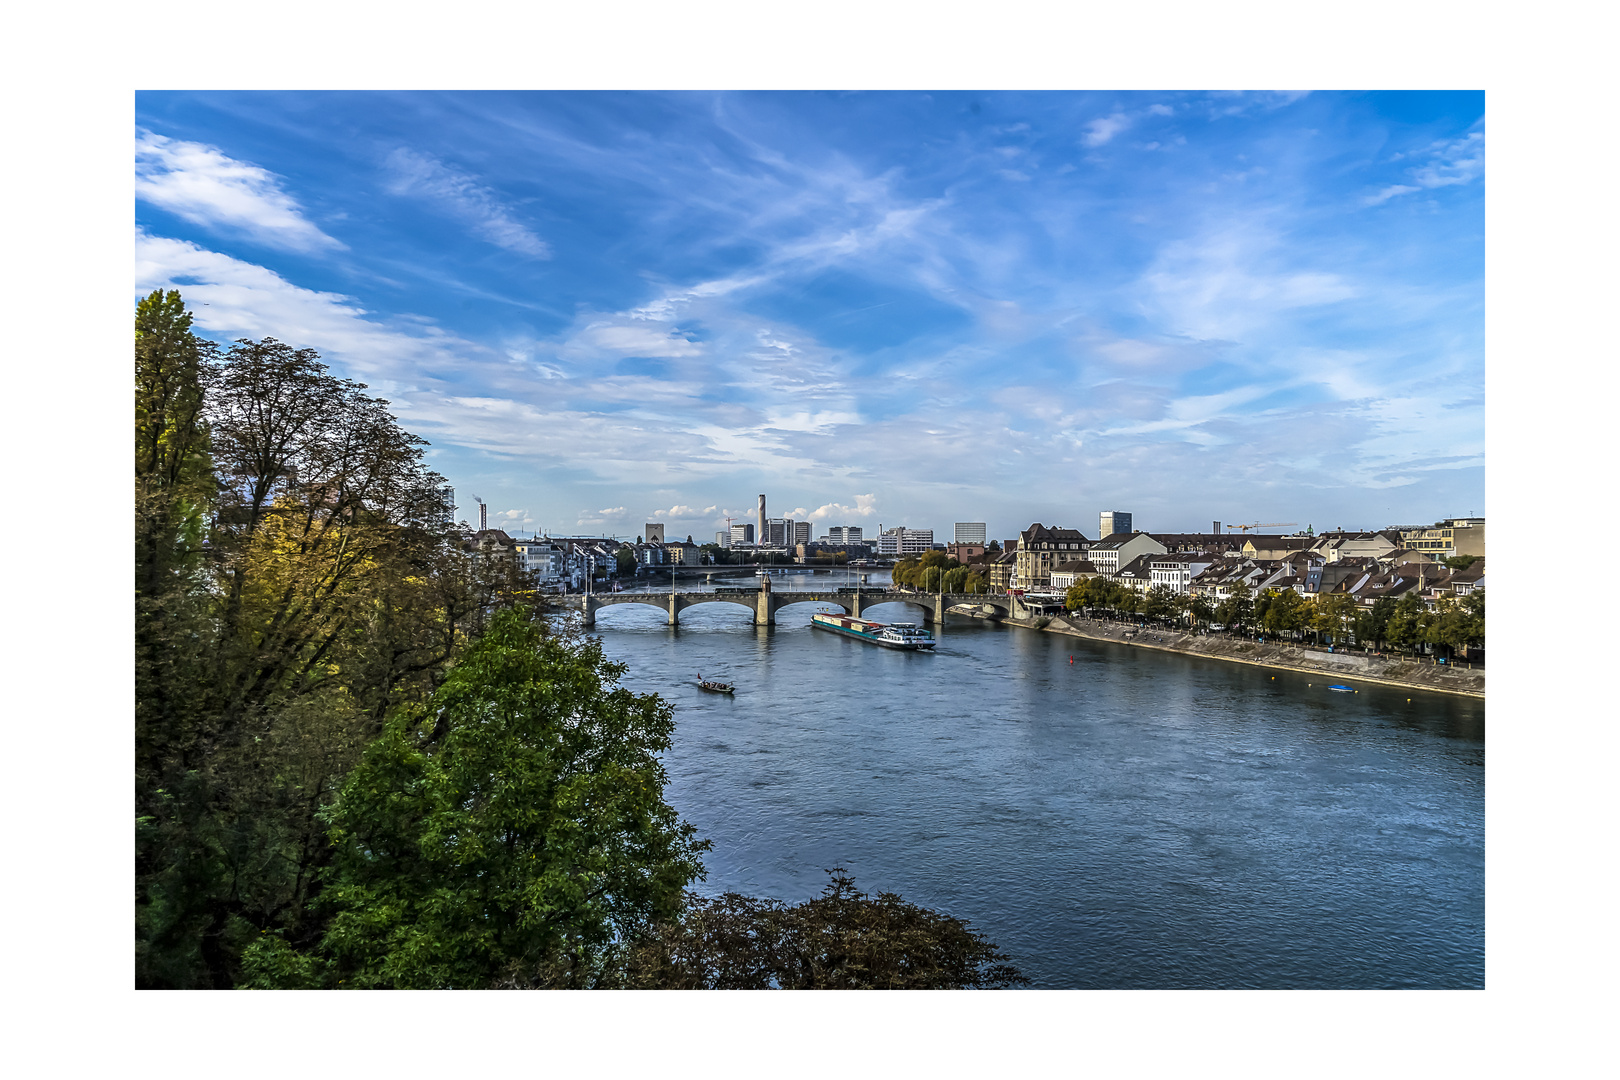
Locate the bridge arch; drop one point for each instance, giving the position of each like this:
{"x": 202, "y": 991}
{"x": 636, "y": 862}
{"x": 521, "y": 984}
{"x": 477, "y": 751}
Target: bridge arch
{"x": 737, "y": 602}
{"x": 920, "y": 604}
{"x": 784, "y": 602}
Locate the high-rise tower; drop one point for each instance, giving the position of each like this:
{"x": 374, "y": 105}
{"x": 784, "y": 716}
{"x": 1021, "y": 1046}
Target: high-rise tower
{"x": 1111, "y": 522}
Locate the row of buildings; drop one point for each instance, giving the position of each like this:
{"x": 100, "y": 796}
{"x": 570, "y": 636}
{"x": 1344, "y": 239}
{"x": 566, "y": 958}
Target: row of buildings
{"x": 1365, "y": 565}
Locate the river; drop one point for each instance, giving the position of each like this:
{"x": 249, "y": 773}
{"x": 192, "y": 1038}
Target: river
{"x": 1111, "y": 817}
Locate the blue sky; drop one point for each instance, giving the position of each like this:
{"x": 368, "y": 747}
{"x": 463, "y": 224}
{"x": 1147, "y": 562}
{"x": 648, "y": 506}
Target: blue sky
{"x": 604, "y": 309}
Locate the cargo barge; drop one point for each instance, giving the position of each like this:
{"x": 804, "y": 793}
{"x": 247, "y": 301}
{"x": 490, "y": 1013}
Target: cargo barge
{"x": 890, "y": 635}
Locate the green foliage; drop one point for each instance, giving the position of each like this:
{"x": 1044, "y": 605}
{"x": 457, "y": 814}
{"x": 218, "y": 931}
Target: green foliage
{"x": 513, "y": 829}
{"x": 1372, "y": 624}
{"x": 1457, "y": 624}
{"x": 269, "y": 963}
{"x": 1282, "y": 611}
{"x": 1159, "y": 602}
{"x": 924, "y": 572}
{"x": 1236, "y": 609}
{"x": 625, "y": 559}
{"x": 1333, "y": 614}
{"x": 1405, "y": 628}
{"x": 294, "y": 581}
{"x": 1099, "y": 592}
{"x": 841, "y": 940}
{"x": 1460, "y": 562}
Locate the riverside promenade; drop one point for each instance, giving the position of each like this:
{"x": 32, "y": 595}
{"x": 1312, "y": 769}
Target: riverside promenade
{"x": 1348, "y": 666}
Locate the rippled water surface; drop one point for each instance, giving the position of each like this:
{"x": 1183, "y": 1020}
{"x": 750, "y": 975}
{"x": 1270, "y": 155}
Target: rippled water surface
{"x": 1130, "y": 819}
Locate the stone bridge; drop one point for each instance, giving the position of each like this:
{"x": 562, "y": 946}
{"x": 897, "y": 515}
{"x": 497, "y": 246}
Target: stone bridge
{"x": 765, "y": 603}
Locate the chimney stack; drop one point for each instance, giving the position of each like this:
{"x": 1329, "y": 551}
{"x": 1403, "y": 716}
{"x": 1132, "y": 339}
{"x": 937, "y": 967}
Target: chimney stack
{"x": 759, "y": 534}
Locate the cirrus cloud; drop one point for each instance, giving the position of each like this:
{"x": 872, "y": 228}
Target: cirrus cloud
{"x": 205, "y": 186}
{"x": 464, "y": 197}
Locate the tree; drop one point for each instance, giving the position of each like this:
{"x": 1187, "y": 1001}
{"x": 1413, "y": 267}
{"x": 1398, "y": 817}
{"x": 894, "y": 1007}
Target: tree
{"x": 1333, "y": 614}
{"x": 1404, "y": 630}
{"x": 1460, "y": 562}
{"x": 1236, "y": 608}
{"x": 625, "y": 560}
{"x": 174, "y": 494}
{"x": 1456, "y": 624}
{"x": 512, "y": 829}
{"x": 841, "y": 940}
{"x": 1372, "y": 623}
{"x": 1159, "y": 603}
{"x": 309, "y": 584}
{"x": 1284, "y": 611}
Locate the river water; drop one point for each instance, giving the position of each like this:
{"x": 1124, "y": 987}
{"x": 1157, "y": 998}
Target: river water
{"x": 1110, "y": 817}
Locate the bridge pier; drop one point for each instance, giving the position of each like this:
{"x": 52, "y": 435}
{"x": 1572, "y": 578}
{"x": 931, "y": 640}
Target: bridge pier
{"x": 674, "y": 611}
{"x": 765, "y": 609}
{"x": 587, "y": 608}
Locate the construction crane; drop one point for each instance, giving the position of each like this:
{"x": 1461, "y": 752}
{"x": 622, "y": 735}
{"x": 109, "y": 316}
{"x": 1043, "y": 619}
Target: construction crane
{"x": 1263, "y": 525}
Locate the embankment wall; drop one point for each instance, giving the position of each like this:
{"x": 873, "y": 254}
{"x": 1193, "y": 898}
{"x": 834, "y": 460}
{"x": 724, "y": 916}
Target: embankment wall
{"x": 1392, "y": 670}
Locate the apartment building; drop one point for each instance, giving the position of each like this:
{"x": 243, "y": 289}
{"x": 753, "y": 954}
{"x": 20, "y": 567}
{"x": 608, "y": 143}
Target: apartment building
{"x": 1040, "y": 548}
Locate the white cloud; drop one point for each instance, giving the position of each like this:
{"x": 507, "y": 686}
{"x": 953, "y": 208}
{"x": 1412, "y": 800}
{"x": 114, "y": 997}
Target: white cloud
{"x": 1456, "y": 161}
{"x": 1450, "y": 162}
{"x": 201, "y": 184}
{"x": 1101, "y": 130}
{"x": 239, "y": 299}
{"x": 1160, "y": 110}
{"x": 425, "y": 176}
{"x": 600, "y": 517}
{"x": 865, "y": 506}
{"x": 1389, "y": 193}
{"x": 638, "y": 340}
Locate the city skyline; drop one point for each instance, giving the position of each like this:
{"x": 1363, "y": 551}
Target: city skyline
{"x": 610, "y": 308}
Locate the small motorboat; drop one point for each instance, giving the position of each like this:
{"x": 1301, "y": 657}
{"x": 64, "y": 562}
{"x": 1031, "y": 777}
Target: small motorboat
{"x": 715, "y": 687}
{"x": 1343, "y": 689}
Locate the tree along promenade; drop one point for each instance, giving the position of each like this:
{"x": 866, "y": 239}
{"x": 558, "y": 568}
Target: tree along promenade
{"x": 1416, "y": 674}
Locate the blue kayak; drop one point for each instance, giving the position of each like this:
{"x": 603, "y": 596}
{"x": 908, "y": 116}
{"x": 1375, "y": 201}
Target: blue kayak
{"x": 1344, "y": 689}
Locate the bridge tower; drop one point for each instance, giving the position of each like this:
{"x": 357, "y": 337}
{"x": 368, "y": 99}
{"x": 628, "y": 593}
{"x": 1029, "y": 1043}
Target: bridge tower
{"x": 765, "y": 612}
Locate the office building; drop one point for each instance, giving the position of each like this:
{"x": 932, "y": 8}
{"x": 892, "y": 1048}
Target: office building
{"x": 655, "y": 532}
{"x": 1111, "y": 522}
{"x": 903, "y": 541}
{"x": 969, "y": 532}
{"x": 742, "y": 533}
{"x": 844, "y": 534}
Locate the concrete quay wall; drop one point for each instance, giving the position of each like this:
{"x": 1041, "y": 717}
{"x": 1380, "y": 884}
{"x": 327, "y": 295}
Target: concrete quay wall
{"x": 1389, "y": 670}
